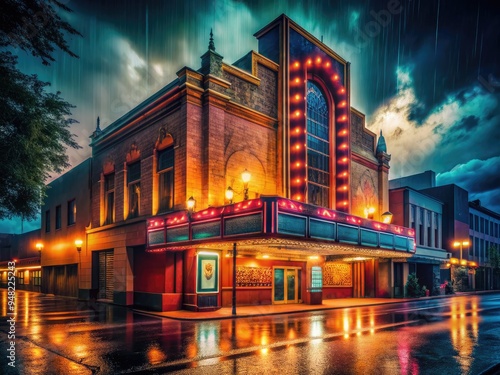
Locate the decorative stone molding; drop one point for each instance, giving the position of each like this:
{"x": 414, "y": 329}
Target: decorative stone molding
{"x": 134, "y": 154}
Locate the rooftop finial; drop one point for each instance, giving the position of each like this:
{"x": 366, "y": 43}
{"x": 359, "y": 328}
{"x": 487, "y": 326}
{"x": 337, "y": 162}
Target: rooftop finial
{"x": 98, "y": 128}
{"x": 211, "y": 45}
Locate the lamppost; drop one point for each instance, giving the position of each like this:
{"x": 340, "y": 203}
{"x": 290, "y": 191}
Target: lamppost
{"x": 245, "y": 176}
{"x": 234, "y": 280}
{"x": 78, "y": 245}
{"x": 462, "y": 262}
{"x": 461, "y": 244}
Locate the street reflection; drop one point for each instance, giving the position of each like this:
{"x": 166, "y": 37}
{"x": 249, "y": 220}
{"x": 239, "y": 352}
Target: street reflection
{"x": 397, "y": 338}
{"x": 464, "y": 333}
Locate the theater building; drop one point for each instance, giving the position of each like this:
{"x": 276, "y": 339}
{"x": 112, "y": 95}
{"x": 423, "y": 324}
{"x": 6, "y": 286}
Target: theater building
{"x": 256, "y": 178}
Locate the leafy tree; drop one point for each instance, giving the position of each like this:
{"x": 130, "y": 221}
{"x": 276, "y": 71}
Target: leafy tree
{"x": 34, "y": 124}
{"x": 412, "y": 286}
{"x": 494, "y": 255}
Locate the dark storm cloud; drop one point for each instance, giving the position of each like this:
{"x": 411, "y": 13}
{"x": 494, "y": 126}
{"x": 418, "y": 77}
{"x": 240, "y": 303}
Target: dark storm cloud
{"x": 468, "y": 123}
{"x": 480, "y": 177}
{"x": 415, "y": 67}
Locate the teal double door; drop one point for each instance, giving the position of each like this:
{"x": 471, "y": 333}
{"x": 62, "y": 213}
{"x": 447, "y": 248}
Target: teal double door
{"x": 286, "y": 285}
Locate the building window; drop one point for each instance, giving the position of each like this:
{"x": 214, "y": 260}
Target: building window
{"x": 471, "y": 221}
{"x": 318, "y": 147}
{"x": 476, "y": 223}
{"x": 429, "y": 228}
{"x": 109, "y": 198}
{"x": 166, "y": 179}
{"x": 412, "y": 216}
{"x": 47, "y": 221}
{"x": 20, "y": 277}
{"x": 482, "y": 225}
{"x": 436, "y": 231}
{"x": 421, "y": 227}
{"x": 487, "y": 226}
{"x": 134, "y": 189}
{"x": 37, "y": 277}
{"x": 71, "y": 212}
{"x": 58, "y": 217}
{"x": 471, "y": 246}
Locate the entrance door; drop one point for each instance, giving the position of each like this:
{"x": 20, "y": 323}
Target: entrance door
{"x": 106, "y": 275}
{"x": 286, "y": 285}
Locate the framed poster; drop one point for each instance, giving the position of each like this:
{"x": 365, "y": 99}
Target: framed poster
{"x": 207, "y": 273}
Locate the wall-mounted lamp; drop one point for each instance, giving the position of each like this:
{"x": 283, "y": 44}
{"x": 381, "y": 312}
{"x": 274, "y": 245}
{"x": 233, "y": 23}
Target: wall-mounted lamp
{"x": 369, "y": 211}
{"x": 387, "y": 217}
{"x": 245, "y": 177}
{"x": 229, "y": 194}
{"x": 78, "y": 244}
{"x": 39, "y": 247}
{"x": 191, "y": 203}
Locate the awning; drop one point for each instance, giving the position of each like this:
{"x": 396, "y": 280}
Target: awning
{"x": 276, "y": 224}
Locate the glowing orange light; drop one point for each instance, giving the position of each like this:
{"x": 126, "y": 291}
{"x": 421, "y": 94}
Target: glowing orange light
{"x": 297, "y": 164}
{"x": 297, "y": 113}
{"x": 298, "y": 180}
{"x": 297, "y": 97}
{"x": 344, "y": 132}
{"x": 344, "y": 174}
{"x": 296, "y": 64}
{"x": 318, "y": 60}
{"x": 345, "y": 187}
{"x": 327, "y": 64}
{"x": 298, "y": 197}
{"x": 342, "y": 90}
{"x": 297, "y": 147}
{"x": 297, "y": 80}
{"x": 297, "y": 130}
{"x": 345, "y": 203}
{"x": 344, "y": 160}
{"x": 309, "y": 62}
{"x": 343, "y": 146}
{"x": 342, "y": 104}
{"x": 335, "y": 77}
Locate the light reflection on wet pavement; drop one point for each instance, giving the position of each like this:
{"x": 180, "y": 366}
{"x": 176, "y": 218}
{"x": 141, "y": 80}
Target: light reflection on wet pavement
{"x": 456, "y": 335}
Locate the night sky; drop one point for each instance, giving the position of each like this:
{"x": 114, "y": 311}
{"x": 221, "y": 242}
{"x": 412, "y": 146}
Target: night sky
{"x": 425, "y": 72}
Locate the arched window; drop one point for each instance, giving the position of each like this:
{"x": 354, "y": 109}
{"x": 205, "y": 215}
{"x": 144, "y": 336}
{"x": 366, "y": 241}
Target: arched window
{"x": 318, "y": 147}
{"x": 166, "y": 179}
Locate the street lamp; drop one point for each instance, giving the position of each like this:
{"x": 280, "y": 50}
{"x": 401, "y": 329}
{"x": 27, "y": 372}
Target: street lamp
{"x": 245, "y": 176}
{"x": 229, "y": 194}
{"x": 461, "y": 244}
{"x": 78, "y": 244}
{"x": 233, "y": 310}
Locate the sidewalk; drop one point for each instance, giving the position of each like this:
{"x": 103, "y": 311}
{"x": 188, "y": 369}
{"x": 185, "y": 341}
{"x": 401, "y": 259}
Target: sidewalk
{"x": 259, "y": 310}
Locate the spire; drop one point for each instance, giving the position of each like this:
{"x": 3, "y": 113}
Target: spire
{"x": 381, "y": 145}
{"x": 211, "y": 45}
{"x": 97, "y": 130}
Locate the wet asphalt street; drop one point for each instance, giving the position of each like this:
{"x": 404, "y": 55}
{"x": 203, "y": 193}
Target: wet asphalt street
{"x": 453, "y": 335}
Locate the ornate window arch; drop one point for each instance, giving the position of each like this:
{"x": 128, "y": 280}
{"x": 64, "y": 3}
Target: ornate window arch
{"x": 163, "y": 172}
{"x": 318, "y": 146}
